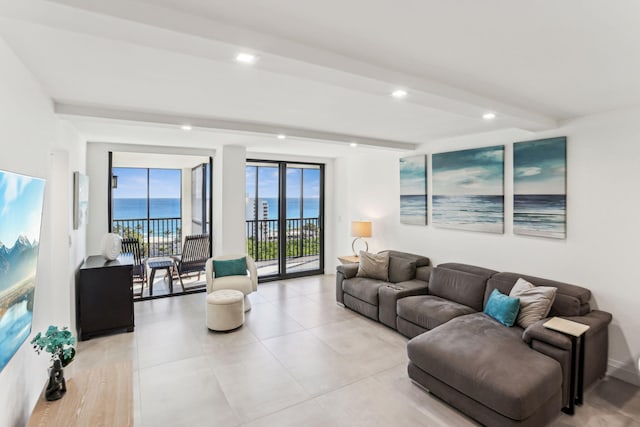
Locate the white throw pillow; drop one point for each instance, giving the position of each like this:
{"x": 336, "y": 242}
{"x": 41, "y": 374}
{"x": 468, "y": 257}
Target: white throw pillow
{"x": 535, "y": 301}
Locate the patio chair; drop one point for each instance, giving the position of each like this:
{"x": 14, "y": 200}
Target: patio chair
{"x": 195, "y": 253}
{"x": 131, "y": 245}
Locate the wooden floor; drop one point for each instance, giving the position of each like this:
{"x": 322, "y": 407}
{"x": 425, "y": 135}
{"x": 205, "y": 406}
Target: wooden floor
{"x": 299, "y": 360}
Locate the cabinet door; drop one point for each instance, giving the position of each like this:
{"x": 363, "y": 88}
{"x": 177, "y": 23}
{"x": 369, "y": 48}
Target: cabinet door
{"x": 106, "y": 300}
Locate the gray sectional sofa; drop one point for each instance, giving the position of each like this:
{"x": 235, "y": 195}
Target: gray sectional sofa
{"x": 498, "y": 375}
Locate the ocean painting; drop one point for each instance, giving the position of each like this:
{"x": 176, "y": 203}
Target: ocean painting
{"x": 413, "y": 190}
{"x": 21, "y": 199}
{"x": 539, "y": 187}
{"x": 468, "y": 189}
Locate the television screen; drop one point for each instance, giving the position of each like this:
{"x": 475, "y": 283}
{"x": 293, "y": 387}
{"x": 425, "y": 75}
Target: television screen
{"x": 21, "y": 200}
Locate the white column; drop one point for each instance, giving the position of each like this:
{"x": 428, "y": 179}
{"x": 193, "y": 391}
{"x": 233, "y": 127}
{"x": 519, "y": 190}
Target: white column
{"x": 229, "y": 234}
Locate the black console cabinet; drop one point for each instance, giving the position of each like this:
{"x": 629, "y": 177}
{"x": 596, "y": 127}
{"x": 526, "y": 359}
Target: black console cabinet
{"x": 104, "y": 294}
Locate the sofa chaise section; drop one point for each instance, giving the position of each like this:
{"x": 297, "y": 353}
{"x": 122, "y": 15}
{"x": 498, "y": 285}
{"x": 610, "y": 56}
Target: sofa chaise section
{"x": 504, "y": 376}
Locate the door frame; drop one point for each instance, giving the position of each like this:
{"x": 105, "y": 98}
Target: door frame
{"x": 282, "y": 219}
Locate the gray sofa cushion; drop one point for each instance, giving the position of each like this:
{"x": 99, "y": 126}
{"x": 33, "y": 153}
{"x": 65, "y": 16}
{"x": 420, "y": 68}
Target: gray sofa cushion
{"x": 401, "y": 269}
{"x": 421, "y": 261}
{"x": 429, "y": 311}
{"x": 489, "y": 363}
{"x": 459, "y": 286}
{"x": 363, "y": 288}
{"x": 571, "y": 300}
{"x": 468, "y": 268}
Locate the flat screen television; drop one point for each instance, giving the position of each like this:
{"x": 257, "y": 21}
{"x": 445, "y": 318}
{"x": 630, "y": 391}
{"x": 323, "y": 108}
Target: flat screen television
{"x": 21, "y": 201}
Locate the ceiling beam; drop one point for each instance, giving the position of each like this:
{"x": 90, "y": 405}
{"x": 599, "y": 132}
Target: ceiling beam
{"x": 213, "y": 123}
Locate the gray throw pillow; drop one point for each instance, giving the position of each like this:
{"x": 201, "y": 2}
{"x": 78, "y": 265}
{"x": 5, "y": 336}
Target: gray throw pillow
{"x": 373, "y": 266}
{"x": 535, "y": 301}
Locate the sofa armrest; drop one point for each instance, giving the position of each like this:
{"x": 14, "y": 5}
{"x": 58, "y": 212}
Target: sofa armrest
{"x": 596, "y": 319}
{"x": 540, "y": 333}
{"x": 348, "y": 270}
{"x": 345, "y": 271}
{"x": 558, "y": 346}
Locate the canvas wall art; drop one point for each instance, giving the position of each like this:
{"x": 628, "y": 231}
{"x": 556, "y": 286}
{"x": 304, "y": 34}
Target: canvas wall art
{"x": 80, "y": 200}
{"x": 539, "y": 187}
{"x": 21, "y": 199}
{"x": 468, "y": 189}
{"x": 413, "y": 190}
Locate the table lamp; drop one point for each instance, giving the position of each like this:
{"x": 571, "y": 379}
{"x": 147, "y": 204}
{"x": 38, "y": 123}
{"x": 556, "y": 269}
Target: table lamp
{"x": 360, "y": 229}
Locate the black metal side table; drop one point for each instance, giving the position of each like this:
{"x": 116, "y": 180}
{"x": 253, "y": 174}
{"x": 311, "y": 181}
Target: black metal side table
{"x": 575, "y": 331}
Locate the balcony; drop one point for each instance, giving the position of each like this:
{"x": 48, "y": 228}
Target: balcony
{"x": 302, "y": 244}
{"x": 159, "y": 237}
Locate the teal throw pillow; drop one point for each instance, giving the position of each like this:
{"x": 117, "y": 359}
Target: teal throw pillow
{"x": 503, "y": 308}
{"x": 230, "y": 267}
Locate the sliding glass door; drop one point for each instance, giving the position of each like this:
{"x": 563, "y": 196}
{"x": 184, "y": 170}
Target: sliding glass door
{"x": 284, "y": 213}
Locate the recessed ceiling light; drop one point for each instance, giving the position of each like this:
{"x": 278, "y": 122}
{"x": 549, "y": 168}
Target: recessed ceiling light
{"x": 353, "y": 144}
{"x": 489, "y": 116}
{"x": 246, "y": 58}
{"x": 282, "y": 136}
{"x": 186, "y": 127}
{"x": 399, "y": 93}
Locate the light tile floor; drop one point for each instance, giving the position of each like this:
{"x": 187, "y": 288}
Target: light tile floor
{"x": 299, "y": 360}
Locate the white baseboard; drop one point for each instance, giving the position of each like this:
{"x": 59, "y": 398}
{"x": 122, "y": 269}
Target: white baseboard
{"x": 624, "y": 371}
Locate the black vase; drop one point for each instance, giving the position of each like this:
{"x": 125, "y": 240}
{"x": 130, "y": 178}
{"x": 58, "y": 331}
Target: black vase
{"x": 57, "y": 386}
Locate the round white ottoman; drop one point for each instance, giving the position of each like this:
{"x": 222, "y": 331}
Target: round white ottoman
{"x": 225, "y": 310}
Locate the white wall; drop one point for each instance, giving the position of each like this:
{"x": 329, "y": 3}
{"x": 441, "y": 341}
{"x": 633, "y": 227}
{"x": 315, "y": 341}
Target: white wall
{"x": 34, "y": 142}
{"x": 603, "y": 230}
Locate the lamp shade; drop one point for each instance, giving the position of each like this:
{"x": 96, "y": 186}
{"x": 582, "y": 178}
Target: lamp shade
{"x": 361, "y": 228}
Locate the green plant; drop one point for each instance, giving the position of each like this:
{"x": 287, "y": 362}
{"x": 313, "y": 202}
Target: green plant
{"x": 59, "y": 342}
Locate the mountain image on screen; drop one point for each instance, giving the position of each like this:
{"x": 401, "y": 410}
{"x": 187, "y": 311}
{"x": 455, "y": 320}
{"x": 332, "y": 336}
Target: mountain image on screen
{"x": 17, "y": 262}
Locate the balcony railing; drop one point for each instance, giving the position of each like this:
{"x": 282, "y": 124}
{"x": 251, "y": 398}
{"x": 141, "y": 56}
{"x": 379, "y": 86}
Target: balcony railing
{"x": 158, "y": 236}
{"x": 302, "y": 238}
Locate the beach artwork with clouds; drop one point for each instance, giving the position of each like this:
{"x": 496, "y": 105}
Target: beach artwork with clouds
{"x": 468, "y": 189}
{"x": 413, "y": 190}
{"x": 539, "y": 187}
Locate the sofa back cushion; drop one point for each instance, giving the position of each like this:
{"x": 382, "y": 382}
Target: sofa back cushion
{"x": 403, "y": 265}
{"x": 459, "y": 286}
{"x": 571, "y": 300}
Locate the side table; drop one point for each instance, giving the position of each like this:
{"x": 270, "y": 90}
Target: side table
{"x": 575, "y": 331}
{"x": 160, "y": 265}
{"x": 349, "y": 259}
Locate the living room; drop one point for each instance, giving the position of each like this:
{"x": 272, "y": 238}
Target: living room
{"x": 68, "y": 98}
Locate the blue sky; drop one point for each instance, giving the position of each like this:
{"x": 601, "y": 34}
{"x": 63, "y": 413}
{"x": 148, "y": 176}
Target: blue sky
{"x": 413, "y": 175}
{"x": 132, "y": 183}
{"x": 539, "y": 167}
{"x": 479, "y": 171}
{"x": 21, "y": 201}
{"x": 268, "y": 182}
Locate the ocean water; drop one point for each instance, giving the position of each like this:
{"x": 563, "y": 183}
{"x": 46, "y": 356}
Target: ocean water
{"x": 540, "y": 215}
{"x": 413, "y": 210}
{"x": 170, "y": 208}
{"x": 476, "y": 213}
{"x": 137, "y": 208}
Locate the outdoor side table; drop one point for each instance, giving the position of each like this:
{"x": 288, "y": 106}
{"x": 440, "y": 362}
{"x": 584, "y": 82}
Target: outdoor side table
{"x": 160, "y": 265}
